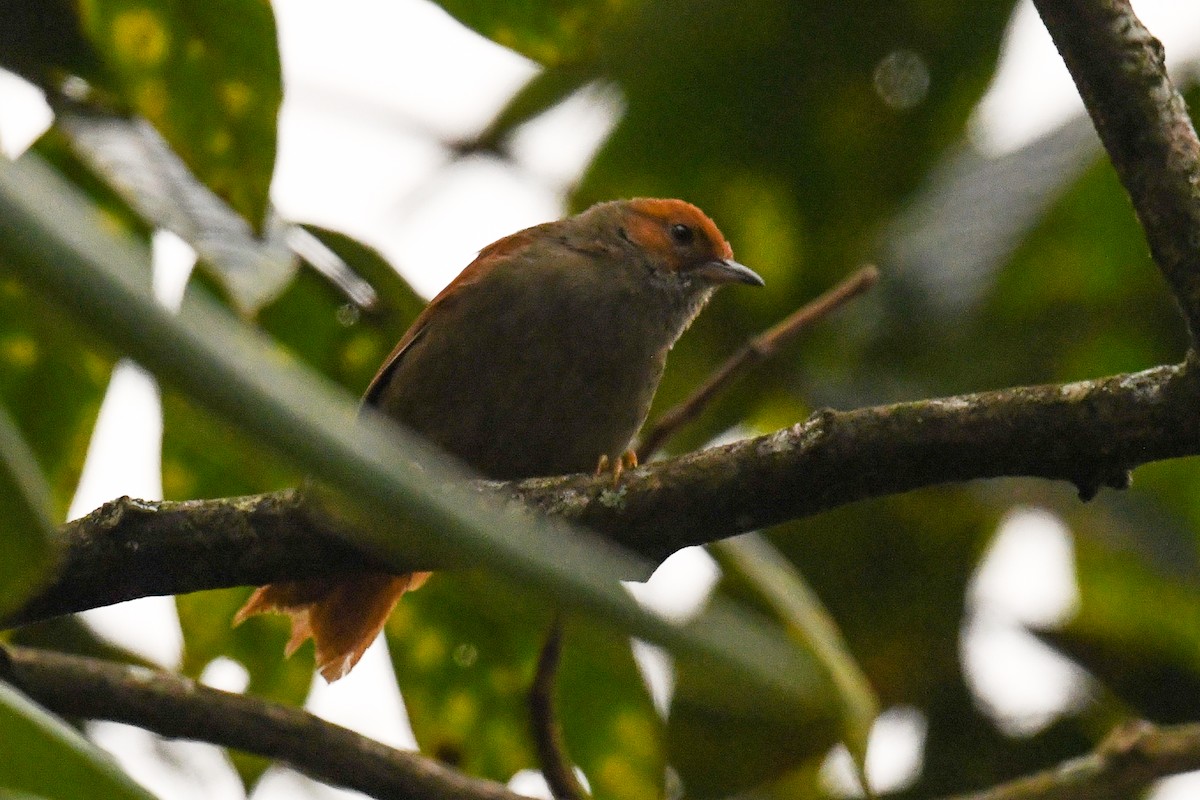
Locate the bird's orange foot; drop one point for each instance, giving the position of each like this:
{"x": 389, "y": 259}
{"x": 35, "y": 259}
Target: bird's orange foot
{"x": 628, "y": 460}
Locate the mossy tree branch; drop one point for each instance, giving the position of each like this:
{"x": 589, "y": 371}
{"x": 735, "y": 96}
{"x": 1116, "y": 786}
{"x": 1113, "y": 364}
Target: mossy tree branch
{"x": 175, "y": 707}
{"x": 1089, "y": 433}
{"x": 1127, "y": 762}
{"x": 1131, "y": 758}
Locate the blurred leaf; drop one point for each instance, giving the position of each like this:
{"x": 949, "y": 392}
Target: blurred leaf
{"x": 342, "y": 342}
{"x": 550, "y": 33}
{"x": 784, "y": 590}
{"x": 131, "y": 157}
{"x": 1060, "y": 309}
{"x": 42, "y": 41}
{"x": 204, "y": 456}
{"x": 56, "y": 147}
{"x": 965, "y": 223}
{"x": 611, "y": 728}
{"x": 720, "y": 751}
{"x": 726, "y": 751}
{"x": 465, "y": 648}
{"x": 45, "y": 757}
{"x": 25, "y": 529}
{"x": 311, "y": 323}
{"x": 1137, "y": 630}
{"x": 1031, "y": 265}
{"x": 893, "y": 573}
{"x": 207, "y": 75}
{"x": 43, "y": 356}
{"x": 206, "y": 619}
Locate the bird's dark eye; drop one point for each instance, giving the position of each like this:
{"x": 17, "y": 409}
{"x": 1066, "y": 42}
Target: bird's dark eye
{"x": 682, "y": 234}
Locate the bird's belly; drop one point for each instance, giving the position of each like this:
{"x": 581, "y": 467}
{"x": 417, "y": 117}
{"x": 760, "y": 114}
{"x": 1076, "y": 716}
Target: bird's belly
{"x": 526, "y": 411}
{"x": 563, "y": 426}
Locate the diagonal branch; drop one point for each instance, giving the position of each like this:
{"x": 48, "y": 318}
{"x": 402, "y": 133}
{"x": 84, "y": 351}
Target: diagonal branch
{"x": 1131, "y": 758}
{"x": 176, "y": 707}
{"x": 1143, "y": 121}
{"x": 1090, "y": 433}
{"x": 755, "y": 351}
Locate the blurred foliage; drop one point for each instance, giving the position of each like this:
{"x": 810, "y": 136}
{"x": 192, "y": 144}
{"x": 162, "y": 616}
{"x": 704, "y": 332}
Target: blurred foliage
{"x": 43, "y": 356}
{"x": 465, "y": 649}
{"x": 206, "y": 457}
{"x": 207, "y": 76}
{"x": 55, "y": 762}
{"x": 809, "y": 131}
{"x": 26, "y": 554}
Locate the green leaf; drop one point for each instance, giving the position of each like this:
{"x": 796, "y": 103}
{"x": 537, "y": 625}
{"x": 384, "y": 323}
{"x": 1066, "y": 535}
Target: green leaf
{"x": 611, "y": 728}
{"x": 52, "y": 381}
{"x": 342, "y": 342}
{"x": 58, "y": 149}
{"x": 25, "y": 529}
{"x": 206, "y": 619}
{"x": 52, "y": 375}
{"x": 312, "y": 323}
{"x": 718, "y": 753}
{"x": 207, "y": 75}
{"x": 561, "y": 31}
{"x": 41, "y": 40}
{"x": 720, "y": 749}
{"x": 796, "y": 605}
{"x": 204, "y": 456}
{"x": 133, "y": 159}
{"x": 1154, "y": 669}
{"x": 465, "y": 648}
{"x": 45, "y": 757}
{"x": 893, "y": 572}
{"x": 415, "y": 508}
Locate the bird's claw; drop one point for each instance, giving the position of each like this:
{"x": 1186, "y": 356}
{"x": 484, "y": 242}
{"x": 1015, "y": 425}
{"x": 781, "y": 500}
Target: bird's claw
{"x": 627, "y": 460}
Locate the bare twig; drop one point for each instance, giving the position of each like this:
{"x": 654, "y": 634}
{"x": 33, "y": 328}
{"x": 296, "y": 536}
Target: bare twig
{"x": 176, "y": 707}
{"x": 1090, "y": 433}
{"x": 547, "y": 732}
{"x": 1143, "y": 121}
{"x": 1131, "y": 758}
{"x": 755, "y": 351}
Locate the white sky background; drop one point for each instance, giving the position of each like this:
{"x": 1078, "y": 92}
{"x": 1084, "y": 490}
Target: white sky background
{"x": 359, "y": 152}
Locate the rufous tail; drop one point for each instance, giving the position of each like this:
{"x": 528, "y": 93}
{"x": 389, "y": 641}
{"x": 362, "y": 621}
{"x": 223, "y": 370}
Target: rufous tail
{"x": 342, "y": 616}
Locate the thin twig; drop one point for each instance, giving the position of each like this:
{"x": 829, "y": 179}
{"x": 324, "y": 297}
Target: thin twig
{"x": 176, "y": 707}
{"x": 755, "y": 351}
{"x": 547, "y": 732}
{"x": 1132, "y": 757}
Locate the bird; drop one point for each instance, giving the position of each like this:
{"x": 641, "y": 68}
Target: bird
{"x": 541, "y": 358}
